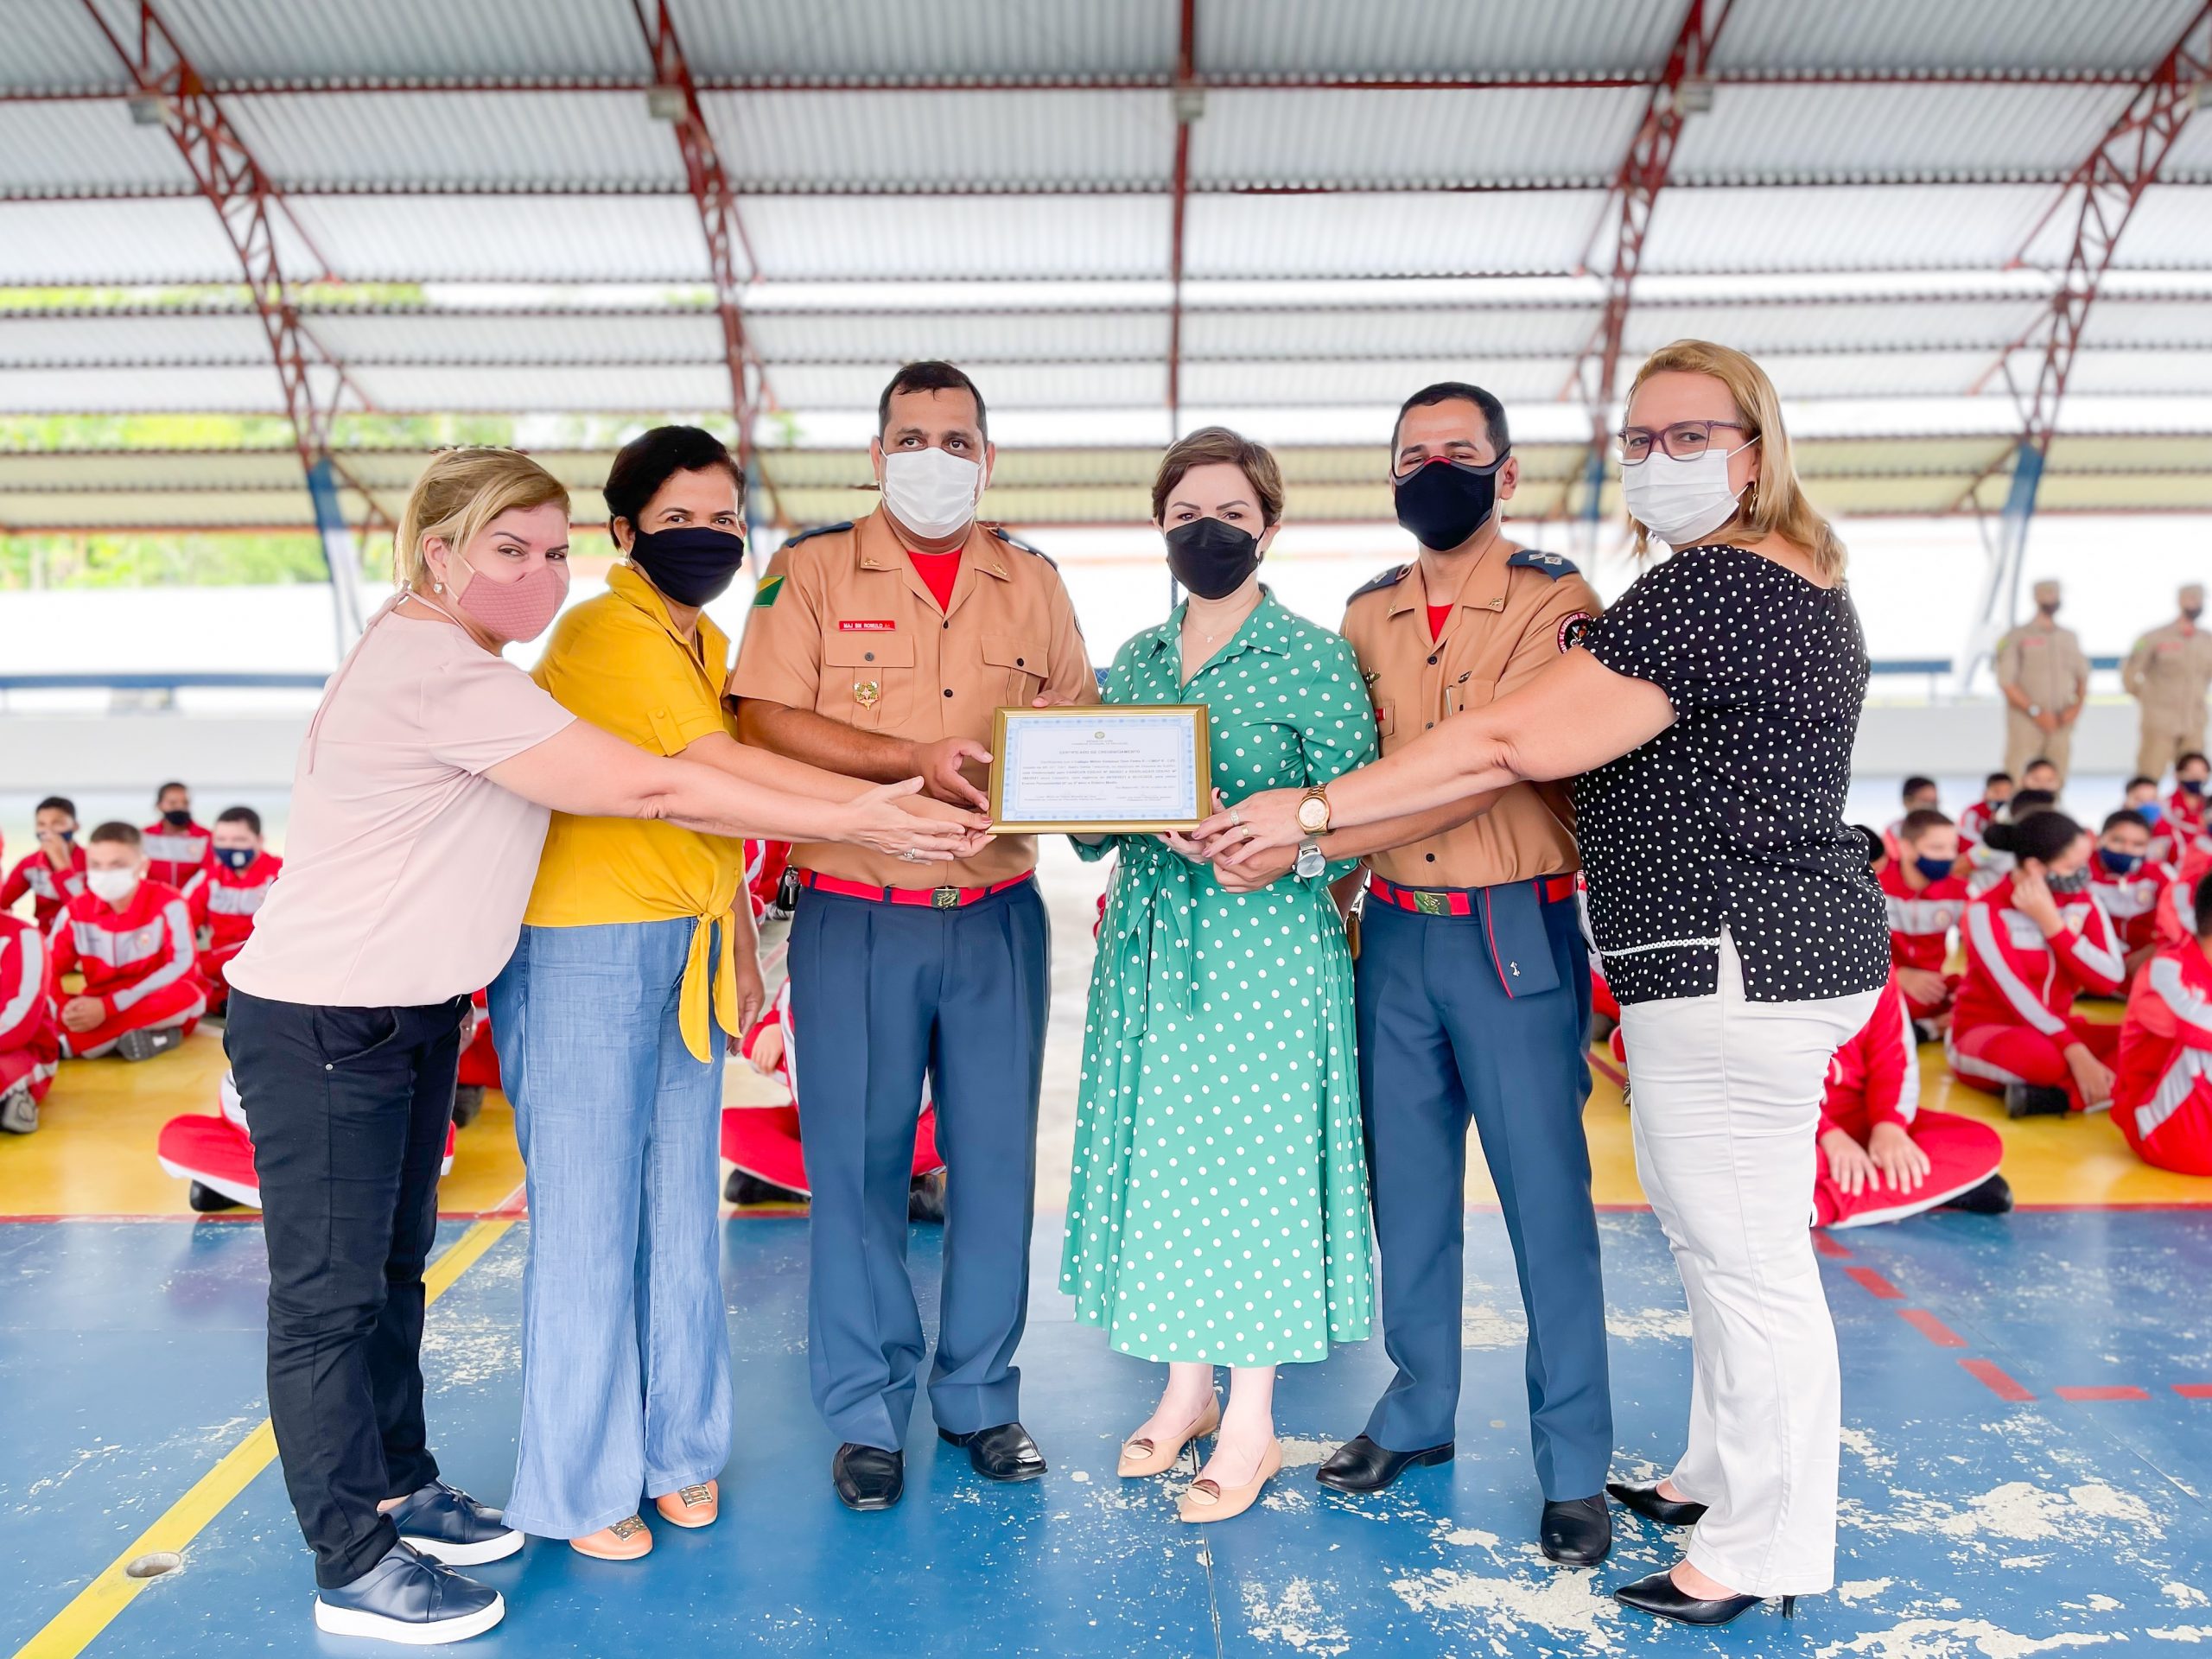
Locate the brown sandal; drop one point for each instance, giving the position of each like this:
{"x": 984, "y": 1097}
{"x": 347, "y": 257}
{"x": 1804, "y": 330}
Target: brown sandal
{"x": 627, "y": 1540}
{"x": 696, "y": 1505}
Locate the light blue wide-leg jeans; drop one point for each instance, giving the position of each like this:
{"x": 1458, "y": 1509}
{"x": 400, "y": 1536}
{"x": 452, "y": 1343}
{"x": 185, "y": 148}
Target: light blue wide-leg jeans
{"x": 626, "y": 1376}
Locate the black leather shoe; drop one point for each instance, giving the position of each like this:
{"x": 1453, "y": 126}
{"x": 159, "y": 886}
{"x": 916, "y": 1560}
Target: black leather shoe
{"x": 1659, "y": 1594}
{"x": 2029, "y": 1100}
{"x": 448, "y": 1525}
{"x": 1360, "y": 1466}
{"x": 1992, "y": 1197}
{"x": 406, "y": 1596}
{"x": 868, "y": 1477}
{"x": 1006, "y": 1452}
{"x": 1576, "y": 1531}
{"x": 1653, "y": 1505}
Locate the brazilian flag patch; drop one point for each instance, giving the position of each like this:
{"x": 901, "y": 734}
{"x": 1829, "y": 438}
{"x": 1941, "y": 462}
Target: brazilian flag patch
{"x": 766, "y": 593}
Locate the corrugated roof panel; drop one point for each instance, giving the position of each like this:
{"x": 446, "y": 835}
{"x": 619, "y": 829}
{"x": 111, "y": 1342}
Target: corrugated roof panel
{"x": 969, "y": 337}
{"x": 159, "y": 239}
{"x": 58, "y": 48}
{"x": 505, "y": 238}
{"x": 241, "y": 388}
{"x": 835, "y": 237}
{"x": 1787, "y": 134}
{"x": 1005, "y": 385}
{"x": 2190, "y": 161}
{"x": 1362, "y": 382}
{"x": 1403, "y": 332}
{"x": 977, "y": 39}
{"x": 2172, "y": 229}
{"x": 74, "y": 148}
{"x": 847, "y": 140}
{"x": 1413, "y": 38}
{"x": 1839, "y": 325}
{"x": 1916, "y": 36}
{"x": 2159, "y": 323}
{"x": 574, "y": 141}
{"x": 1920, "y": 373}
{"x": 1564, "y": 136}
{"x": 79, "y": 339}
{"x": 2141, "y": 373}
{"x": 1388, "y": 234}
{"x": 2190, "y": 452}
{"x": 677, "y": 335}
{"x": 2126, "y": 492}
{"x": 1842, "y": 227}
{"x": 656, "y": 388}
{"x": 234, "y": 41}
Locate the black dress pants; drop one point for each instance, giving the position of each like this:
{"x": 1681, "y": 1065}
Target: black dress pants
{"x": 348, "y": 1110}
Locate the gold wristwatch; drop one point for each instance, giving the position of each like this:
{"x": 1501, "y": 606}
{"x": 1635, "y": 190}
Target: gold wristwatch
{"x": 1313, "y": 811}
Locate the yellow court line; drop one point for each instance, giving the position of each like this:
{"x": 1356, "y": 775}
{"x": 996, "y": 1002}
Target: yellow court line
{"x": 70, "y": 1631}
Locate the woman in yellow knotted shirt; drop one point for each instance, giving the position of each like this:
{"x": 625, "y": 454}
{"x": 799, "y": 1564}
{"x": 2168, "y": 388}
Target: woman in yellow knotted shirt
{"x": 637, "y": 963}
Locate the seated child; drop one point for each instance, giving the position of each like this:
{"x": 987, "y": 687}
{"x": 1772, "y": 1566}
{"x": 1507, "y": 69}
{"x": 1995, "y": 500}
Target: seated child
{"x": 132, "y": 938}
{"x": 1996, "y": 791}
{"x": 2128, "y": 884}
{"x": 2141, "y": 797}
{"x": 2163, "y": 1098}
{"x": 2185, "y": 807}
{"x": 176, "y": 847}
{"x": 1918, "y": 795}
{"x": 238, "y": 876}
{"x": 763, "y": 1142}
{"x": 215, "y": 1154}
{"x": 1926, "y": 896}
{"x": 1989, "y": 864}
{"x": 1883, "y": 1156}
{"x": 30, "y": 1034}
{"x": 55, "y": 871}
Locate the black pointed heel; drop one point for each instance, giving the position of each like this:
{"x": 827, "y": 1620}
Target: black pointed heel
{"x": 1661, "y": 1596}
{"x": 1653, "y": 1505}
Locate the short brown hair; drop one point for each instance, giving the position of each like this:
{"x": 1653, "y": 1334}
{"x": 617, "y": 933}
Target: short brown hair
{"x": 117, "y": 831}
{"x": 1207, "y": 445}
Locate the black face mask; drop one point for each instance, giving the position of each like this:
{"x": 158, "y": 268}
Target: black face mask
{"x": 1444, "y": 502}
{"x": 2192, "y": 612}
{"x": 691, "y": 563}
{"x": 177, "y": 817}
{"x": 2077, "y": 882}
{"x": 1211, "y": 557}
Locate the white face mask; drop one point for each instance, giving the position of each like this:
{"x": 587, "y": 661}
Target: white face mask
{"x": 1678, "y": 501}
{"x": 929, "y": 491}
{"x": 112, "y": 886}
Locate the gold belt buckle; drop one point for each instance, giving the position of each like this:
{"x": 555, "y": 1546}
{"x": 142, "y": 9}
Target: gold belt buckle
{"x": 944, "y": 898}
{"x": 1431, "y": 904}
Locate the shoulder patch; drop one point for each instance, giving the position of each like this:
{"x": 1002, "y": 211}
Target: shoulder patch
{"x": 819, "y": 529}
{"x": 1389, "y": 578}
{"x": 1552, "y": 564}
{"x": 765, "y": 595}
{"x": 1013, "y": 540}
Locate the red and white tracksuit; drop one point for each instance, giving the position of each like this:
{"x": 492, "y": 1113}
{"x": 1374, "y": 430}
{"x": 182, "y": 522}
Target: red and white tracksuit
{"x": 2014, "y": 1016}
{"x": 2185, "y": 816}
{"x": 2163, "y": 1097}
{"x": 765, "y": 864}
{"x": 764, "y": 1141}
{"x": 49, "y": 888}
{"x": 225, "y": 903}
{"x": 2131, "y": 902}
{"x": 1973, "y": 823}
{"x": 216, "y": 1150}
{"x": 137, "y": 963}
{"x": 1875, "y": 1078}
{"x": 30, "y": 1031}
{"x": 1920, "y": 921}
{"x": 176, "y": 856}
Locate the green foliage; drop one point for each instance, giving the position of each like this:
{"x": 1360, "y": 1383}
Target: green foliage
{"x": 215, "y": 559}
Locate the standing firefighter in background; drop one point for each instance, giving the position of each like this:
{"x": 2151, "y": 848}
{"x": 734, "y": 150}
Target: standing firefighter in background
{"x": 2167, "y": 673}
{"x": 2043, "y": 677}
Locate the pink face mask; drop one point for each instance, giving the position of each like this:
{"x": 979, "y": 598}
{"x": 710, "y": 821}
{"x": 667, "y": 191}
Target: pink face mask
{"x": 516, "y": 610}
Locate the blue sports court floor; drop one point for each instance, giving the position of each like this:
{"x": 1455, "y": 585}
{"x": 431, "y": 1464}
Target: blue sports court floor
{"x": 2027, "y": 1459}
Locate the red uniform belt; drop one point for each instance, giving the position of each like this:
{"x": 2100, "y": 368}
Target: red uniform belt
{"x": 928, "y": 898}
{"x": 1460, "y": 901}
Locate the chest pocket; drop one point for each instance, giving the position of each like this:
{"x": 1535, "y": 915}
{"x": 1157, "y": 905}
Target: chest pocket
{"x": 1465, "y": 690}
{"x": 1022, "y": 659}
{"x": 868, "y": 679}
{"x": 1386, "y": 720}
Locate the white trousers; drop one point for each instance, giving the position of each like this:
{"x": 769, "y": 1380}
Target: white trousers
{"x": 1728, "y": 1103}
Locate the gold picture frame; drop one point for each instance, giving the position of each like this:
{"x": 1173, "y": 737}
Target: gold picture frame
{"x": 1201, "y": 754}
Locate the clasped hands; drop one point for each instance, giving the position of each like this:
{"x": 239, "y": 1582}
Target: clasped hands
{"x": 1250, "y": 844}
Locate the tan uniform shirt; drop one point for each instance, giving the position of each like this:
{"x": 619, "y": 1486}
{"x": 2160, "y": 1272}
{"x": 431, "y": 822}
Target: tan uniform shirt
{"x": 1515, "y": 612}
{"x": 2168, "y": 672}
{"x": 844, "y": 626}
{"x": 2046, "y": 663}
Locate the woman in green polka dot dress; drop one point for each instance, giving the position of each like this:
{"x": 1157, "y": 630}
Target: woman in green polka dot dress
{"x": 1218, "y": 1209}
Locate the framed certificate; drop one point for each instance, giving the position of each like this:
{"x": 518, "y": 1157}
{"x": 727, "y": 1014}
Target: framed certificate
{"x": 1130, "y": 768}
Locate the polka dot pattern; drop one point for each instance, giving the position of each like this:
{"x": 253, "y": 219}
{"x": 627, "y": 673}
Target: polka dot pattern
{"x": 1733, "y": 816}
{"x": 1217, "y": 1206}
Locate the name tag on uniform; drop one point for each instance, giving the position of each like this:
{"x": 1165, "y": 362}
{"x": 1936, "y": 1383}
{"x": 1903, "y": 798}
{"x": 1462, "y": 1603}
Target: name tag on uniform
{"x": 868, "y": 627}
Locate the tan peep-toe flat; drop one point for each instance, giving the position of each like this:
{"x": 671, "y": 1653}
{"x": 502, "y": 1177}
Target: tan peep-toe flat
{"x": 1208, "y": 1500}
{"x": 626, "y": 1541}
{"x": 1150, "y": 1460}
{"x": 695, "y": 1505}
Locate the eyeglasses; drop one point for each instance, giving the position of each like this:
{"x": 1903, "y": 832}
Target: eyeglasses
{"x": 1683, "y": 441}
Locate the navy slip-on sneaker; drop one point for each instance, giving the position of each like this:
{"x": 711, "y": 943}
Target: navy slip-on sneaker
{"x": 448, "y": 1525}
{"x": 409, "y": 1598}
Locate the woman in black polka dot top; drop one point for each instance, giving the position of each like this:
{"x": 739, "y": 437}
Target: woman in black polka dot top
{"x": 1708, "y": 718}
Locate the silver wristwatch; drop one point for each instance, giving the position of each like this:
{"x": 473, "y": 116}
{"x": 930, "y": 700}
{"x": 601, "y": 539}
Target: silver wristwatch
{"x": 1311, "y": 860}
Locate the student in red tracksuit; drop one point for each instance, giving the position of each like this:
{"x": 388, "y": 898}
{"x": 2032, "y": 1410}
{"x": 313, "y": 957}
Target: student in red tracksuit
{"x": 223, "y": 906}
{"x": 55, "y": 871}
{"x": 132, "y": 936}
{"x": 1883, "y": 1156}
{"x": 1919, "y": 795}
{"x": 2141, "y": 797}
{"x": 2163, "y": 1099}
{"x": 2128, "y": 887}
{"x": 1996, "y": 791}
{"x": 1926, "y": 896}
{"x": 2185, "y": 807}
{"x": 2034, "y": 942}
{"x": 763, "y": 1141}
{"x": 30, "y": 1034}
{"x": 176, "y": 847}
{"x": 214, "y": 1152}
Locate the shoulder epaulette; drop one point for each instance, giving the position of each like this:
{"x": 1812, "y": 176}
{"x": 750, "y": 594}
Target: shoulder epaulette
{"x": 1013, "y": 540}
{"x": 1389, "y": 578}
{"x": 1553, "y": 565}
{"x": 819, "y": 529}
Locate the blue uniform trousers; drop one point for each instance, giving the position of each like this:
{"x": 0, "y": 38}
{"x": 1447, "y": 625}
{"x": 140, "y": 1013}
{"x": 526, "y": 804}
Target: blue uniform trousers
{"x": 1440, "y": 1039}
{"x": 881, "y": 995}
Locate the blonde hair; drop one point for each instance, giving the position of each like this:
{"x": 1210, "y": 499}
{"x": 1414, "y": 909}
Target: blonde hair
{"x": 1775, "y": 503}
{"x": 460, "y": 493}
